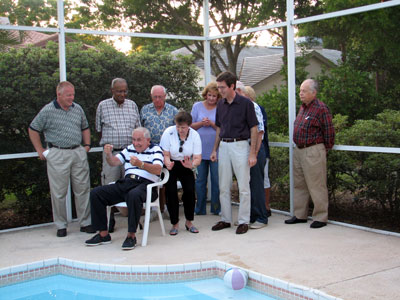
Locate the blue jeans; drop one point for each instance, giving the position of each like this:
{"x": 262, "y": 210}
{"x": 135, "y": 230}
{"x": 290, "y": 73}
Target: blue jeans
{"x": 201, "y": 188}
{"x": 258, "y": 211}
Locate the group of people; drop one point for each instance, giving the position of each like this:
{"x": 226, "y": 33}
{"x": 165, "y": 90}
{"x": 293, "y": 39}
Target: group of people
{"x": 224, "y": 135}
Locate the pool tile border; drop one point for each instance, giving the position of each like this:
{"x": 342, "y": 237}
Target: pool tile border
{"x": 156, "y": 273}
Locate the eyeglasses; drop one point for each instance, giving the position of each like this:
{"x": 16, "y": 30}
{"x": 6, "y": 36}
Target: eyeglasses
{"x": 181, "y": 145}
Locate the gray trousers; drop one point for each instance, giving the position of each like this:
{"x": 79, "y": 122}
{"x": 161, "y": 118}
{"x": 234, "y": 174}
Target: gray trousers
{"x": 110, "y": 173}
{"x": 64, "y": 166}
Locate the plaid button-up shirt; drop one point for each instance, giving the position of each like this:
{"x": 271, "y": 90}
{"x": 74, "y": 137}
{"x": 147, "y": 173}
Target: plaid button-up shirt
{"x": 116, "y": 122}
{"x": 313, "y": 124}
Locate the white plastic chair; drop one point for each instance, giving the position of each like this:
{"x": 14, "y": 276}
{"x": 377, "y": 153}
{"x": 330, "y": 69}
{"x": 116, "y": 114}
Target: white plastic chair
{"x": 148, "y": 205}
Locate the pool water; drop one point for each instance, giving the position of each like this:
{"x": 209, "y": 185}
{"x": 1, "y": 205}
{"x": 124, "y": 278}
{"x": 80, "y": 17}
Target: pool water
{"x": 63, "y": 287}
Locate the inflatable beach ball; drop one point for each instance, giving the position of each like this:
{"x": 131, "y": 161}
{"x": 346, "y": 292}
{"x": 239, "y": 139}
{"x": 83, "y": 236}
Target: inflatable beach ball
{"x": 235, "y": 278}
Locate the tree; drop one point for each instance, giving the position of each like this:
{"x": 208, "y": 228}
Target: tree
{"x": 302, "y": 8}
{"x": 183, "y": 17}
{"x": 369, "y": 41}
{"x": 29, "y": 12}
{"x": 28, "y": 80}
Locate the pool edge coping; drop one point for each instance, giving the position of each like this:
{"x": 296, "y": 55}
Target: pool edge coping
{"x": 157, "y": 274}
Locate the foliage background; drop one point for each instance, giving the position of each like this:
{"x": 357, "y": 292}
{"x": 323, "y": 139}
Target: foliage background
{"x": 28, "y": 81}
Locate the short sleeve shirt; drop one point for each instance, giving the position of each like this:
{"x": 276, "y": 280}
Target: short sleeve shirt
{"x": 157, "y": 123}
{"x": 170, "y": 142}
{"x": 207, "y": 134}
{"x": 237, "y": 118}
{"x": 61, "y": 127}
{"x": 152, "y": 155}
{"x": 116, "y": 122}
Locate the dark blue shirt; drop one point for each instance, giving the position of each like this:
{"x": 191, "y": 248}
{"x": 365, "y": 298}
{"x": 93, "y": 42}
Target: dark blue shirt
{"x": 236, "y": 119}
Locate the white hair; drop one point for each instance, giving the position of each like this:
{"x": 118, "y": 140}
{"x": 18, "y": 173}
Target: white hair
{"x": 240, "y": 85}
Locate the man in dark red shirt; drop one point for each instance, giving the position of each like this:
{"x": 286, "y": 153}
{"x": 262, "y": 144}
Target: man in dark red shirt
{"x": 313, "y": 135}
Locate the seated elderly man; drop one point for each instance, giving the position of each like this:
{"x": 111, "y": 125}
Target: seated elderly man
{"x": 143, "y": 163}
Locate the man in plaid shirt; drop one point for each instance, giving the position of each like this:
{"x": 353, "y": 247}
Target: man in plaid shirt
{"x": 116, "y": 118}
{"x": 313, "y": 135}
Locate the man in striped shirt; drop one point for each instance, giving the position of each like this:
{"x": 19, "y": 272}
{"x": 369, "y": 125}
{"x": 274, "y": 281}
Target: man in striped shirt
{"x": 143, "y": 162}
{"x": 313, "y": 135}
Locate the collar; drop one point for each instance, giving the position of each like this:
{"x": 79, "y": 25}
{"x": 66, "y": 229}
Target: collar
{"x": 57, "y": 106}
{"x": 235, "y": 99}
{"x": 116, "y": 103}
{"x": 309, "y": 104}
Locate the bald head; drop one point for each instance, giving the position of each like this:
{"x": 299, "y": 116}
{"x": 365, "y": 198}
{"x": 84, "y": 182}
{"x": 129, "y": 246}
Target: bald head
{"x": 308, "y": 91}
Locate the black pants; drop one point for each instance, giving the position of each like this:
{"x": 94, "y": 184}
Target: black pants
{"x": 186, "y": 178}
{"x": 131, "y": 191}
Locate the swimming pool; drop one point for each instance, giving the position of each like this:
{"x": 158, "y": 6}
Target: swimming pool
{"x": 62, "y": 287}
{"x": 190, "y": 274}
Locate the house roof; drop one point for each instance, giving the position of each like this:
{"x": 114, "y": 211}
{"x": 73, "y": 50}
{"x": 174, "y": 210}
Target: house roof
{"x": 256, "y": 69}
{"x": 255, "y": 63}
{"x": 38, "y": 39}
{"x": 249, "y": 51}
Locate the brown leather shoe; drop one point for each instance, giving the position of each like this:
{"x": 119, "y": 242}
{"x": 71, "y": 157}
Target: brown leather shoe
{"x": 242, "y": 228}
{"x": 220, "y": 225}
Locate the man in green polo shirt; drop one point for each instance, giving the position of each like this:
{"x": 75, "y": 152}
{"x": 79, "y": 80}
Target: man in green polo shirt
{"x": 65, "y": 127}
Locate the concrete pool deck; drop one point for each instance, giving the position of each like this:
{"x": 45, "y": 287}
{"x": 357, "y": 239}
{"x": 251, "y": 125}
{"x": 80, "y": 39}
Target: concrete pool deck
{"x": 343, "y": 262}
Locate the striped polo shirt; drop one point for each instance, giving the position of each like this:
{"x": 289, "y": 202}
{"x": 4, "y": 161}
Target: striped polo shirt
{"x": 60, "y": 127}
{"x": 152, "y": 155}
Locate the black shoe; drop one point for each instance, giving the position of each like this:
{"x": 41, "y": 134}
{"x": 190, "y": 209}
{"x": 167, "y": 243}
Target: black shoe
{"x": 294, "y": 220}
{"x": 62, "y": 232}
{"x": 220, "y": 225}
{"x": 317, "y": 224}
{"x": 98, "y": 240}
{"x": 269, "y": 213}
{"x": 129, "y": 243}
{"x": 111, "y": 224}
{"x": 88, "y": 229}
{"x": 242, "y": 228}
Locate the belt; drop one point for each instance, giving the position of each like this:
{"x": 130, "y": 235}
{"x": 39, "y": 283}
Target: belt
{"x": 63, "y": 148}
{"x": 137, "y": 177}
{"x": 231, "y": 140}
{"x": 307, "y": 145}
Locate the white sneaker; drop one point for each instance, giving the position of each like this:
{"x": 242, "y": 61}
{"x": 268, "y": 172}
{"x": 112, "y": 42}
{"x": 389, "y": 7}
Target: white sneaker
{"x": 257, "y": 225}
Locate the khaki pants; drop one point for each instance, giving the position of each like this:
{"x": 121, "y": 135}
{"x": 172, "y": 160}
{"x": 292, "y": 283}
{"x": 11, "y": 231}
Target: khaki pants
{"x": 309, "y": 172}
{"x": 64, "y": 166}
{"x": 234, "y": 157}
{"x": 109, "y": 173}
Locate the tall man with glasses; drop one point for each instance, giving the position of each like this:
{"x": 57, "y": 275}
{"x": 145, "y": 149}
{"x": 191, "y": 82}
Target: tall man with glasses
{"x": 116, "y": 118}
{"x": 236, "y": 124}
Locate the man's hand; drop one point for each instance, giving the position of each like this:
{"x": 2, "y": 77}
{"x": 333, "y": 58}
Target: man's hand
{"x": 41, "y": 156}
{"x": 252, "y": 160}
{"x": 135, "y": 161}
{"x": 108, "y": 149}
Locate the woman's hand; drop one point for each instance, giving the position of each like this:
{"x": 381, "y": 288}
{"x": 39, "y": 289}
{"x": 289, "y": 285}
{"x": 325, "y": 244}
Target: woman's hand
{"x": 187, "y": 162}
{"x": 169, "y": 164}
